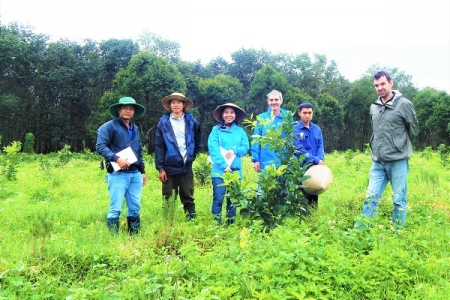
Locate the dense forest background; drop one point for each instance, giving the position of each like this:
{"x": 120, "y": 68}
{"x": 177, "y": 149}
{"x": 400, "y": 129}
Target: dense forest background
{"x": 60, "y": 91}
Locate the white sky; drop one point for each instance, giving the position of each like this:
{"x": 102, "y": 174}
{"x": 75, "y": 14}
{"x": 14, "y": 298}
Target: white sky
{"x": 411, "y": 35}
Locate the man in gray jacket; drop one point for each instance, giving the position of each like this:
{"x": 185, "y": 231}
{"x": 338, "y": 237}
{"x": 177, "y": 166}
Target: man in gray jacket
{"x": 394, "y": 123}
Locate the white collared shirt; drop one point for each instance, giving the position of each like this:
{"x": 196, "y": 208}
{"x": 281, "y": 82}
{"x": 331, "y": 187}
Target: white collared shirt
{"x": 179, "y": 127}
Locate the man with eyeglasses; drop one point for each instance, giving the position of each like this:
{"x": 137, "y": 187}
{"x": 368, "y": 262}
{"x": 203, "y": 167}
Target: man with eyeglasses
{"x": 394, "y": 123}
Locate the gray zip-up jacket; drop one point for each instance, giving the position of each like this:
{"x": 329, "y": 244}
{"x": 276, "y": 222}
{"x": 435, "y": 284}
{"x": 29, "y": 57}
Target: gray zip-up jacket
{"x": 394, "y": 124}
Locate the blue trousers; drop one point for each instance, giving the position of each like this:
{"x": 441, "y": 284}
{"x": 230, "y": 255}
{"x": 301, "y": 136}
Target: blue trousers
{"x": 380, "y": 174}
{"x": 218, "y": 197}
{"x": 124, "y": 184}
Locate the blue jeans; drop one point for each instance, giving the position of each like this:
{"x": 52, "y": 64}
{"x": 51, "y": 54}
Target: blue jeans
{"x": 218, "y": 195}
{"x": 380, "y": 174}
{"x": 124, "y": 184}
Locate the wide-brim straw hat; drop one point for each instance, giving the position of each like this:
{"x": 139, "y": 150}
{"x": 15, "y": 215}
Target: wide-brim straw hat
{"x": 139, "y": 109}
{"x": 176, "y": 96}
{"x": 320, "y": 180}
{"x": 240, "y": 113}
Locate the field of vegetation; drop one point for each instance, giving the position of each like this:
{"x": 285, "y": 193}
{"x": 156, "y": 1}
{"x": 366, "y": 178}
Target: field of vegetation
{"x": 54, "y": 243}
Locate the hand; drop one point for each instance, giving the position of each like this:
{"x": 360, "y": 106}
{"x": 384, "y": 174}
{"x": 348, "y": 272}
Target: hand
{"x": 229, "y": 154}
{"x": 123, "y": 163}
{"x": 144, "y": 179}
{"x": 163, "y": 176}
{"x": 227, "y": 169}
{"x": 257, "y": 166}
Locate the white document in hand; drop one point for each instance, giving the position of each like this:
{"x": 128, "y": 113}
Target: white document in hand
{"x": 126, "y": 153}
{"x": 227, "y": 160}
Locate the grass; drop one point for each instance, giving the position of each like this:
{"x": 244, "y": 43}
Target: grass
{"x": 54, "y": 243}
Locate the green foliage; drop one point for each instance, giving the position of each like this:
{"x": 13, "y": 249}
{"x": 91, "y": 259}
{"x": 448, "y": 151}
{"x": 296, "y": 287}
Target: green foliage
{"x": 11, "y": 161}
{"x": 65, "y": 155}
{"x": 28, "y": 146}
{"x": 427, "y": 152}
{"x": 61, "y": 248}
{"x": 41, "y": 226}
{"x": 202, "y": 169}
{"x": 444, "y": 154}
{"x": 281, "y": 196}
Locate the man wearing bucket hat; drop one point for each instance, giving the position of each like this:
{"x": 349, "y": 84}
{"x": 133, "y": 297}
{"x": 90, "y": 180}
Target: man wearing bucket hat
{"x": 120, "y": 144}
{"x": 177, "y": 143}
{"x": 227, "y": 143}
{"x": 309, "y": 142}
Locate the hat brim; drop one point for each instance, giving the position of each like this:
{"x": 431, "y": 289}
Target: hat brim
{"x": 166, "y": 101}
{"x": 139, "y": 110}
{"x": 320, "y": 180}
{"x": 240, "y": 113}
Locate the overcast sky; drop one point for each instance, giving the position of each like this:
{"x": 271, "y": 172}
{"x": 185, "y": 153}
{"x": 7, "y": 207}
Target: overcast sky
{"x": 411, "y": 35}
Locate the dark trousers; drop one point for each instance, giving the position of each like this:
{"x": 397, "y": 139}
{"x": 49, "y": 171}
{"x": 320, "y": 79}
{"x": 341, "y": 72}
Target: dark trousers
{"x": 183, "y": 185}
{"x": 313, "y": 200}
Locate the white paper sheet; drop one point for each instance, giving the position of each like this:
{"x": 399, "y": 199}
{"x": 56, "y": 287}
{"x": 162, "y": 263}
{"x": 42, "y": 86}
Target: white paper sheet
{"x": 126, "y": 153}
{"x": 227, "y": 160}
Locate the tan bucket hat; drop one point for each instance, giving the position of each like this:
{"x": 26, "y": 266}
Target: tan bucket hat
{"x": 176, "y": 96}
{"x": 240, "y": 113}
{"x": 320, "y": 180}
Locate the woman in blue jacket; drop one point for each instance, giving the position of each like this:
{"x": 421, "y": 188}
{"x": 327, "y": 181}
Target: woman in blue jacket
{"x": 227, "y": 143}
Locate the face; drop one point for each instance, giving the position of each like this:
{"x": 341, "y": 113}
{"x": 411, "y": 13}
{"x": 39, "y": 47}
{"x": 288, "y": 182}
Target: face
{"x": 126, "y": 112}
{"x": 228, "y": 115}
{"x": 383, "y": 87}
{"x": 306, "y": 115}
{"x": 176, "y": 106}
{"x": 274, "y": 102}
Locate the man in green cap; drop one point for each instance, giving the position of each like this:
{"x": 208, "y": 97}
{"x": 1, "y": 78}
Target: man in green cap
{"x": 119, "y": 142}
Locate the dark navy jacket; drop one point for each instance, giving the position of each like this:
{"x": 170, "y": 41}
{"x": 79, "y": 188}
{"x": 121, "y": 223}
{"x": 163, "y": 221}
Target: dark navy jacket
{"x": 309, "y": 142}
{"x": 113, "y": 137}
{"x": 167, "y": 155}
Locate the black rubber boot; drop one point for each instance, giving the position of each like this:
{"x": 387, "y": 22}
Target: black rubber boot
{"x": 190, "y": 215}
{"x": 113, "y": 225}
{"x": 134, "y": 225}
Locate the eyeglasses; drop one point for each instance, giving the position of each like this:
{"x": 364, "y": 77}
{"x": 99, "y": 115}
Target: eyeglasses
{"x": 382, "y": 110}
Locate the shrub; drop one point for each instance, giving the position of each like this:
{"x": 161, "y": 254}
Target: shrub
{"x": 28, "y": 146}
{"x": 280, "y": 194}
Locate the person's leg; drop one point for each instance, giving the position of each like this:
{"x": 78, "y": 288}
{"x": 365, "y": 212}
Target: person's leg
{"x": 231, "y": 212}
{"x": 218, "y": 194}
{"x": 313, "y": 200}
{"x": 377, "y": 183}
{"x": 133, "y": 198}
{"x": 186, "y": 188}
{"x": 398, "y": 172}
{"x": 169, "y": 188}
{"x": 117, "y": 186}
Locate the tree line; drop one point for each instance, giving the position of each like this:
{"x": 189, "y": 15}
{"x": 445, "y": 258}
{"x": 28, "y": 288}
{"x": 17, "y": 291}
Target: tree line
{"x": 60, "y": 91}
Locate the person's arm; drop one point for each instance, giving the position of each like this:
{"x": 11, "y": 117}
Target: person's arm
{"x": 214, "y": 148}
{"x": 256, "y": 148}
{"x": 197, "y": 138}
{"x": 256, "y": 145}
{"x": 321, "y": 147}
{"x": 104, "y": 139}
{"x": 160, "y": 148}
{"x": 412, "y": 125}
{"x": 243, "y": 146}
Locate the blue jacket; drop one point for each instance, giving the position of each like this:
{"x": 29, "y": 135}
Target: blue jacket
{"x": 309, "y": 141}
{"x": 234, "y": 138}
{"x": 113, "y": 137}
{"x": 167, "y": 155}
{"x": 264, "y": 155}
